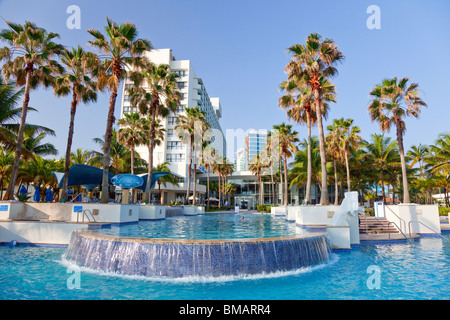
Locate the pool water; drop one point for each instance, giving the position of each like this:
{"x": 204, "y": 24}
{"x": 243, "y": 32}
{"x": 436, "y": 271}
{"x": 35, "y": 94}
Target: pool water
{"x": 210, "y": 226}
{"x": 420, "y": 271}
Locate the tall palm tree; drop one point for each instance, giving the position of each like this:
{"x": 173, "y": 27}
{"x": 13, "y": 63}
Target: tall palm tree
{"x": 207, "y": 160}
{"x": 154, "y": 93}
{"x": 29, "y": 60}
{"x": 314, "y": 64}
{"x": 346, "y": 137}
{"x": 75, "y": 81}
{"x": 256, "y": 167}
{"x": 393, "y": 100}
{"x": 299, "y": 103}
{"x": 121, "y": 49}
{"x": 170, "y": 178}
{"x": 190, "y": 127}
{"x": 80, "y": 156}
{"x": 130, "y": 134}
{"x": 288, "y": 141}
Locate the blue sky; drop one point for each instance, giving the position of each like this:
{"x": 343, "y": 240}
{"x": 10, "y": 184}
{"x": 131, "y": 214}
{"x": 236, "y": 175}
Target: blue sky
{"x": 238, "y": 48}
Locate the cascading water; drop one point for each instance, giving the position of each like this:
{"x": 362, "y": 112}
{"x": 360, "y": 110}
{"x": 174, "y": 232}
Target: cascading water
{"x": 177, "y": 258}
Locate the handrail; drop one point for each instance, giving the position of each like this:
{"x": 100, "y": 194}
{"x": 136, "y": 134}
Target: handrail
{"x": 398, "y": 219}
{"x": 85, "y": 214}
{"x": 389, "y": 231}
{"x": 409, "y": 228}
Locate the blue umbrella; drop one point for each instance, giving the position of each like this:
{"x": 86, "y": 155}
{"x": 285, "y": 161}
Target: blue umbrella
{"x": 23, "y": 190}
{"x": 37, "y": 196}
{"x": 48, "y": 195}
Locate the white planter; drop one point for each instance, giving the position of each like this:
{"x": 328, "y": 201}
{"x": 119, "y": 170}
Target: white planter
{"x": 149, "y": 212}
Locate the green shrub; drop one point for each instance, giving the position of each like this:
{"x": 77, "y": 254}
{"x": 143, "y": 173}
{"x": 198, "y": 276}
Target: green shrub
{"x": 443, "y": 211}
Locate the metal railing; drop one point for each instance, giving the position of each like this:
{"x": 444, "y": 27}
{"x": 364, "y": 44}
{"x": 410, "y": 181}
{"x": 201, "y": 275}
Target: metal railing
{"x": 409, "y": 229}
{"x": 404, "y": 222}
{"x": 389, "y": 232}
{"x": 85, "y": 214}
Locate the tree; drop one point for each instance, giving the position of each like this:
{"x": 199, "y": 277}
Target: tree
{"x": 287, "y": 142}
{"x": 299, "y": 103}
{"x": 384, "y": 156}
{"x": 346, "y": 139}
{"x": 393, "y": 100}
{"x": 170, "y": 178}
{"x": 154, "y": 93}
{"x": 313, "y": 64}
{"x": 122, "y": 49}
{"x": 256, "y": 167}
{"x": 130, "y": 134}
{"x": 30, "y": 61}
{"x": 190, "y": 128}
{"x": 75, "y": 81}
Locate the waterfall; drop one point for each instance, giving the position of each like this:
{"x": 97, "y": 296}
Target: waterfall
{"x": 208, "y": 258}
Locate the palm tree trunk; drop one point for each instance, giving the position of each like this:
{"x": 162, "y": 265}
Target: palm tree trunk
{"x": 309, "y": 165}
{"x": 285, "y": 181}
{"x": 133, "y": 191}
{"x": 382, "y": 186}
{"x": 15, "y": 168}
{"x": 195, "y": 183}
{"x": 347, "y": 167}
{"x": 188, "y": 187}
{"x": 107, "y": 147}
{"x": 336, "y": 189}
{"x": 406, "y": 198}
{"x": 218, "y": 174}
{"x": 73, "y": 110}
{"x": 281, "y": 182}
{"x": 323, "y": 158}
{"x": 207, "y": 188}
{"x": 272, "y": 186}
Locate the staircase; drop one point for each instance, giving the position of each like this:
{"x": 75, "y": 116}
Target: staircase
{"x": 373, "y": 225}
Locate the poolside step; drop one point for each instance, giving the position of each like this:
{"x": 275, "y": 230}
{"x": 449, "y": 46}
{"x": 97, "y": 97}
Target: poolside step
{"x": 370, "y": 225}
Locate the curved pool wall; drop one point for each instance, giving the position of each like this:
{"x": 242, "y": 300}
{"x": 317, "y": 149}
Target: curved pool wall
{"x": 176, "y": 258}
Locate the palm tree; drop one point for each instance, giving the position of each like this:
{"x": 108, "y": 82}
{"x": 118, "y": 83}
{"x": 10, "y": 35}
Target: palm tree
{"x": 417, "y": 154}
{"x": 392, "y": 100}
{"x": 256, "y": 167}
{"x": 313, "y": 64}
{"x": 208, "y": 159}
{"x": 440, "y": 158}
{"x": 299, "y": 103}
{"x": 288, "y": 140}
{"x": 29, "y": 59}
{"x": 383, "y": 154}
{"x": 154, "y": 93}
{"x": 346, "y": 139}
{"x": 190, "y": 128}
{"x": 75, "y": 81}
{"x": 80, "y": 156}
{"x": 6, "y": 163}
{"x": 170, "y": 178}
{"x": 120, "y": 51}
{"x": 33, "y": 146}
{"x": 130, "y": 134}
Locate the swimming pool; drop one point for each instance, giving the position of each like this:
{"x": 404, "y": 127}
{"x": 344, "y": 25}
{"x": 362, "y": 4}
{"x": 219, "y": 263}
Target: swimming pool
{"x": 420, "y": 271}
{"x": 209, "y": 226}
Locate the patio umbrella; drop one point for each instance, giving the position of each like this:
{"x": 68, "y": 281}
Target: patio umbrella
{"x": 48, "y": 195}
{"x": 23, "y": 190}
{"x": 37, "y": 196}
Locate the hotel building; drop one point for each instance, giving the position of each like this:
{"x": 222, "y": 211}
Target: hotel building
{"x": 173, "y": 150}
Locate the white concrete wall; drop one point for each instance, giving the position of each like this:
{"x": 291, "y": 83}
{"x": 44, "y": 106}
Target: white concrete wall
{"x": 292, "y": 213}
{"x": 36, "y": 211}
{"x": 148, "y": 212}
{"x": 38, "y": 232}
{"x": 406, "y": 216}
{"x": 340, "y": 237}
{"x": 313, "y": 215}
{"x": 111, "y": 213}
{"x": 279, "y": 211}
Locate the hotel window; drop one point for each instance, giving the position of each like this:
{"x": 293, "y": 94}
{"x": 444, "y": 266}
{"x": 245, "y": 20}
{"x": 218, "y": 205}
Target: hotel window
{"x": 172, "y": 120}
{"x": 181, "y": 85}
{"x": 170, "y": 132}
{"x": 181, "y": 73}
{"x": 180, "y": 108}
{"x": 176, "y": 157}
{"x": 171, "y": 145}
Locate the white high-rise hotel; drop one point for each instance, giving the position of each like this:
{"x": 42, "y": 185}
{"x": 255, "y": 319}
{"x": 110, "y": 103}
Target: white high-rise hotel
{"x": 173, "y": 150}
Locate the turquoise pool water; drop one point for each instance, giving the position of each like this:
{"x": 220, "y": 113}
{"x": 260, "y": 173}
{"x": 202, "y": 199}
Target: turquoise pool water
{"x": 210, "y": 226}
{"x": 420, "y": 271}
